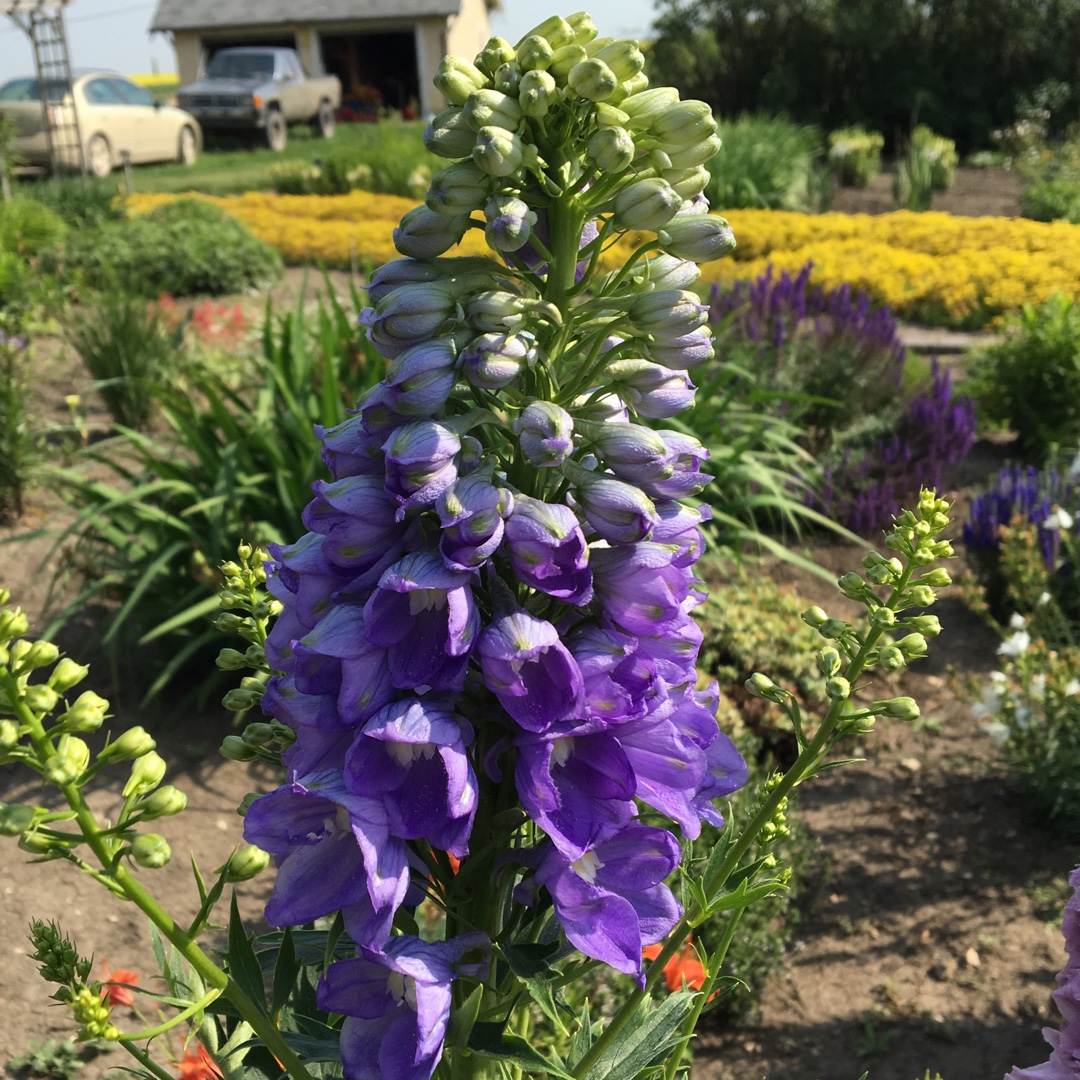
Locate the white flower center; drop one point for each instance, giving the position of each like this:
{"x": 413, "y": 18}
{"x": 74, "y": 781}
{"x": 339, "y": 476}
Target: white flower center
{"x": 561, "y": 749}
{"x": 405, "y": 753}
{"x": 587, "y": 866}
{"x": 426, "y": 600}
{"x": 402, "y": 988}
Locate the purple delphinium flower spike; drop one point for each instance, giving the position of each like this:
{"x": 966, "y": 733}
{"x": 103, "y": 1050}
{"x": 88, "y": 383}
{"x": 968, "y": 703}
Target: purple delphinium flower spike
{"x": 397, "y": 1004}
{"x": 424, "y": 615}
{"x": 471, "y": 512}
{"x": 420, "y": 463}
{"x": 611, "y": 901}
{"x": 640, "y": 588}
{"x": 621, "y": 683}
{"x": 548, "y": 551}
{"x": 530, "y": 671}
{"x": 411, "y": 757}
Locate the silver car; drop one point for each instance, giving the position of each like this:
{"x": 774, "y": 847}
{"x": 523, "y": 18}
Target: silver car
{"x": 115, "y": 116}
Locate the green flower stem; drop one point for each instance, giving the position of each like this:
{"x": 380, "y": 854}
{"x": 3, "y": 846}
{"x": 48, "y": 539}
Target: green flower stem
{"x": 145, "y": 1060}
{"x": 208, "y": 998}
{"x": 804, "y": 765}
{"x": 133, "y": 889}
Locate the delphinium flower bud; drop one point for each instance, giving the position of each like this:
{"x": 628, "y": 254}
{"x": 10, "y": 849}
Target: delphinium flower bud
{"x": 165, "y": 802}
{"x": 507, "y": 80}
{"x": 651, "y": 390}
{"x": 537, "y": 92}
{"x": 420, "y": 379}
{"x": 815, "y": 617}
{"x": 492, "y": 361}
{"x": 646, "y": 204}
{"x": 927, "y": 625}
{"x": 234, "y": 748}
{"x": 458, "y": 189}
{"x": 565, "y": 58}
{"x": 246, "y": 862}
{"x": 592, "y": 79}
{"x": 13, "y": 624}
{"x": 534, "y": 53}
{"x": 69, "y": 762}
{"x": 495, "y": 53}
{"x": 828, "y": 661}
{"x": 761, "y": 686}
{"x": 689, "y": 183}
{"x": 900, "y": 708}
{"x": 15, "y": 818}
{"x": 449, "y": 135}
{"x": 9, "y": 734}
{"x": 492, "y": 108}
{"x": 611, "y": 149}
{"x": 498, "y": 152}
{"x": 146, "y": 773}
{"x": 424, "y": 234}
{"x": 133, "y": 743}
{"x": 546, "y": 434}
{"x": 38, "y": 654}
{"x": 457, "y": 79}
{"x": 623, "y": 57}
{"x": 509, "y": 222}
{"x": 702, "y": 238}
{"x": 150, "y": 850}
{"x": 912, "y": 646}
{"x": 67, "y": 674}
{"x": 620, "y": 513}
{"x": 40, "y": 699}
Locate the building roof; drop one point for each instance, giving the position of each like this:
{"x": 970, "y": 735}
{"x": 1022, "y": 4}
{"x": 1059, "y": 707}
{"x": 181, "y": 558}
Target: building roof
{"x": 13, "y": 7}
{"x": 220, "y": 14}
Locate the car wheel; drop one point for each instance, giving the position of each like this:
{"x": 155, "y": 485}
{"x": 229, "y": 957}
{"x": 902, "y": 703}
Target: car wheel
{"x": 326, "y": 120}
{"x": 277, "y": 131}
{"x": 99, "y": 157}
{"x": 188, "y": 147}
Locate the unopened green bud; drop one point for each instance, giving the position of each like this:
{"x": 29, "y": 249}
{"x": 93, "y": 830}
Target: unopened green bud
{"x": 92, "y": 1013}
{"x": 151, "y": 850}
{"x": 507, "y": 79}
{"x": 231, "y": 660}
{"x": 164, "y": 802}
{"x": 880, "y": 575}
{"x": 815, "y": 617}
{"x": 592, "y": 79}
{"x": 68, "y": 763}
{"x": 535, "y": 53}
{"x": 13, "y": 624}
{"x": 646, "y": 108}
{"x": 828, "y": 661}
{"x": 689, "y": 183}
{"x": 537, "y": 92}
{"x": 492, "y": 108}
{"x": 583, "y": 27}
{"x": 565, "y": 59}
{"x": 36, "y": 843}
{"x": 623, "y": 57}
{"x": 456, "y": 79}
{"x": 495, "y": 53}
{"x": 938, "y": 578}
{"x": 238, "y": 700}
{"x": 697, "y": 237}
{"x": 133, "y": 743}
{"x": 891, "y": 658}
{"x": 497, "y": 151}
{"x": 88, "y": 714}
{"x": 689, "y": 156}
{"x": 912, "y": 646}
{"x": 146, "y": 773}
{"x": 612, "y": 149}
{"x": 900, "y": 708}
{"x": 246, "y": 801}
{"x": 557, "y": 30}
{"x": 228, "y": 623}
{"x": 40, "y": 654}
{"x": 449, "y": 135}
{"x": 927, "y": 625}
{"x": 244, "y": 863}
{"x": 759, "y": 685}
{"x": 67, "y": 674}
{"x": 15, "y": 818}
{"x": 40, "y": 698}
{"x": 922, "y": 596}
{"x": 833, "y": 628}
{"x": 838, "y": 688}
{"x": 852, "y": 586}
{"x": 9, "y": 734}
{"x": 646, "y": 204}
{"x": 943, "y": 549}
{"x": 684, "y": 124}
{"x": 859, "y": 725}
{"x": 18, "y": 652}
{"x": 235, "y": 749}
{"x": 258, "y": 734}
{"x": 628, "y": 87}
{"x": 883, "y": 618}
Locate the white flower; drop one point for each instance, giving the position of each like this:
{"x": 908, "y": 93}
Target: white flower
{"x": 1044, "y": 598}
{"x": 989, "y": 706}
{"x": 1059, "y": 519}
{"x": 1016, "y": 645}
{"x": 1020, "y": 717}
{"x": 1072, "y": 687}
{"x": 997, "y": 731}
{"x": 1017, "y": 622}
{"x": 1038, "y": 687}
{"x": 999, "y": 679}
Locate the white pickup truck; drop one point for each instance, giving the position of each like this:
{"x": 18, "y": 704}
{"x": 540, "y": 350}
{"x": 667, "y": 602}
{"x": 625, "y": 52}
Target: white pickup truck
{"x": 261, "y": 90}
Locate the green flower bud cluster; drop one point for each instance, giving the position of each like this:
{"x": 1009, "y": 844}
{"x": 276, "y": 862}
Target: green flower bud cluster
{"x": 259, "y": 740}
{"x": 57, "y": 956}
{"x": 246, "y": 862}
{"x": 777, "y": 826}
{"x": 92, "y": 1014}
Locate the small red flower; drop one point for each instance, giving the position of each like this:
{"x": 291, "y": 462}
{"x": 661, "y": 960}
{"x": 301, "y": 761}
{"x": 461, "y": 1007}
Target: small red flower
{"x": 683, "y": 968}
{"x": 198, "y": 1065}
{"x": 118, "y": 994}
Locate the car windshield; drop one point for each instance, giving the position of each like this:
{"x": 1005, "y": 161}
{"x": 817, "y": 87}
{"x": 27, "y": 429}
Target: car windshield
{"x": 29, "y": 89}
{"x": 241, "y": 65}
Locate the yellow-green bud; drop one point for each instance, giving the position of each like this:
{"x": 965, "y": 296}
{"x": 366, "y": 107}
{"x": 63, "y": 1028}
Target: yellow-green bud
{"x": 40, "y": 654}
{"x": 883, "y": 618}
{"x": 497, "y": 151}
{"x": 612, "y": 149}
{"x": 146, "y": 773}
{"x": 133, "y": 743}
{"x": 67, "y": 674}
{"x": 18, "y": 652}
{"x": 645, "y": 108}
{"x": 9, "y": 734}
{"x": 535, "y": 53}
{"x": 449, "y": 136}
{"x": 92, "y": 1013}
{"x": 491, "y": 108}
{"x": 689, "y": 183}
{"x": 36, "y": 843}
{"x": 838, "y": 688}
{"x": 257, "y": 734}
{"x": 556, "y": 30}
{"x": 583, "y": 27}
{"x": 228, "y": 623}
{"x": 927, "y": 625}
{"x": 922, "y": 596}
{"x": 938, "y": 578}
{"x": 68, "y": 763}
{"x": 86, "y": 714}
{"x": 684, "y": 124}
{"x": 456, "y": 79}
{"x": 891, "y": 658}
{"x": 689, "y": 156}
{"x": 231, "y": 660}
{"x": 565, "y": 59}
{"x": 164, "y": 802}
{"x": 593, "y": 80}
{"x": 151, "y": 850}
{"x": 235, "y": 749}
{"x": 851, "y": 585}
{"x": 859, "y": 725}
{"x": 624, "y": 58}
{"x": 536, "y": 93}
{"x": 244, "y": 863}
{"x": 495, "y": 53}
{"x": 828, "y": 661}
{"x": 246, "y": 801}
{"x": 15, "y": 818}
{"x": 900, "y": 708}
{"x": 646, "y": 204}
{"x": 815, "y": 617}
{"x": 40, "y": 698}
{"x": 697, "y": 237}
{"x": 833, "y": 628}
{"x": 628, "y": 87}
{"x": 507, "y": 79}
{"x": 239, "y": 700}
{"x": 881, "y": 574}
{"x": 13, "y": 624}
{"x": 912, "y": 646}
{"x": 759, "y": 685}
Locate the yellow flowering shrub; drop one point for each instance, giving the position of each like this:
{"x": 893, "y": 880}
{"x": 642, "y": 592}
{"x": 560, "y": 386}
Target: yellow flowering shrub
{"x": 931, "y": 267}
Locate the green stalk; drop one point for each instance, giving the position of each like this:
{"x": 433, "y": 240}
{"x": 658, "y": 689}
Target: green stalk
{"x": 145, "y": 1060}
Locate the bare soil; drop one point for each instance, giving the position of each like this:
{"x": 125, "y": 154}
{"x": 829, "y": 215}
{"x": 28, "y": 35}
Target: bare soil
{"x": 976, "y": 193}
{"x": 931, "y": 943}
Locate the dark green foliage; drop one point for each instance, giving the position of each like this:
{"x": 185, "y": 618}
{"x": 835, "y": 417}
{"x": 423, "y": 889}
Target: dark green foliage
{"x": 81, "y": 202}
{"x": 128, "y": 349}
{"x": 231, "y": 465}
{"x": 185, "y": 248}
{"x": 1030, "y": 380}
{"x": 28, "y": 228}
{"x": 19, "y": 447}
{"x": 960, "y": 66}
{"x": 1052, "y": 198}
{"x": 51, "y": 1060}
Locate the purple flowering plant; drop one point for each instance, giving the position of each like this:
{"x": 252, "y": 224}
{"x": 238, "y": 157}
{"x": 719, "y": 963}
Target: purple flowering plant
{"x": 478, "y": 664}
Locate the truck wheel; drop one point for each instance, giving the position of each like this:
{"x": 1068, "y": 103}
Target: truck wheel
{"x": 326, "y": 120}
{"x": 277, "y": 131}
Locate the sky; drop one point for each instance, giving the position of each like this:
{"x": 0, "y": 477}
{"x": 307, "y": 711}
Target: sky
{"x": 113, "y": 33}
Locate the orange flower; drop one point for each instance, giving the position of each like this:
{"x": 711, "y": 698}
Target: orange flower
{"x": 683, "y": 968}
{"x": 198, "y": 1065}
{"x": 118, "y": 994}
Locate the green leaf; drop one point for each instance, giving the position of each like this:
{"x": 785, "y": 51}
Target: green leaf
{"x": 463, "y": 1020}
{"x": 241, "y": 961}
{"x": 286, "y": 968}
{"x": 583, "y": 1038}
{"x": 645, "y": 1041}
{"x": 491, "y": 1041}
{"x": 529, "y": 961}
